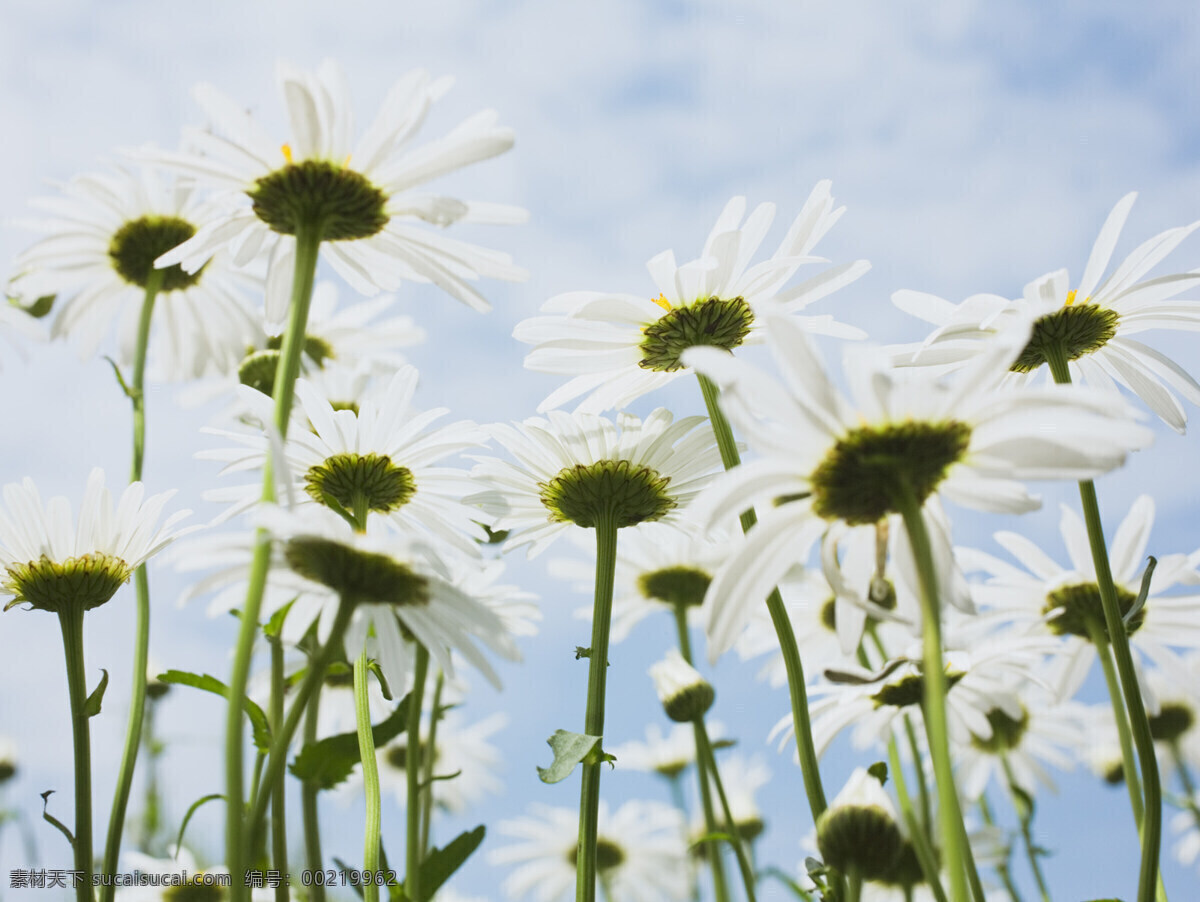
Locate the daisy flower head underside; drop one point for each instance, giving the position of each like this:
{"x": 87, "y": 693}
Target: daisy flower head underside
{"x": 618, "y": 347}
{"x": 1090, "y": 326}
{"x": 96, "y": 262}
{"x": 582, "y": 469}
{"x": 824, "y": 458}
{"x": 362, "y": 197}
{"x": 52, "y": 564}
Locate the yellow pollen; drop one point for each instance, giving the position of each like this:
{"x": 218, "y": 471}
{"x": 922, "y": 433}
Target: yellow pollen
{"x": 287, "y": 152}
{"x": 662, "y": 301}
{"x": 346, "y": 162}
{"x": 1070, "y": 298}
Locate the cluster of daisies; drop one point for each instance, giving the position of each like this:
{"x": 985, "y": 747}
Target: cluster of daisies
{"x": 355, "y": 523}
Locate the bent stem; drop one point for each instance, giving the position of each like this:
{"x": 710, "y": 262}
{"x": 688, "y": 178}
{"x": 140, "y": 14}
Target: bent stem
{"x": 1025, "y": 816}
{"x": 70, "y": 619}
{"x": 412, "y": 778}
{"x": 308, "y": 242}
{"x": 916, "y": 832}
{"x": 1151, "y": 826}
{"x": 797, "y": 692}
{"x": 141, "y": 642}
{"x": 370, "y": 771}
{"x": 934, "y": 678}
{"x": 589, "y": 793}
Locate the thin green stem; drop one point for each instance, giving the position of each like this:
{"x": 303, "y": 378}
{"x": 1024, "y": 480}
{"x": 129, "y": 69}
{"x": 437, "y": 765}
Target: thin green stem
{"x": 370, "y": 772}
{"x": 150, "y": 806}
{"x": 681, "y": 628}
{"x": 797, "y": 690}
{"x": 934, "y": 677}
{"x": 1185, "y": 777}
{"x": 1133, "y": 783}
{"x": 308, "y": 802}
{"x": 1025, "y": 818}
{"x": 917, "y": 834}
{"x": 1001, "y": 868}
{"x": 70, "y": 619}
{"x": 282, "y": 738}
{"x": 705, "y": 751}
{"x": 308, "y": 243}
{"x": 713, "y": 850}
{"x": 279, "y": 851}
{"x": 141, "y": 642}
{"x": 412, "y": 778}
{"x": 1151, "y": 826}
{"x": 427, "y": 762}
{"x": 589, "y": 793}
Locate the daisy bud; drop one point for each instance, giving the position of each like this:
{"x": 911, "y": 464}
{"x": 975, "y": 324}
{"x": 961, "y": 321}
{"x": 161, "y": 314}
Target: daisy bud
{"x": 858, "y": 832}
{"x": 8, "y": 760}
{"x": 684, "y": 693}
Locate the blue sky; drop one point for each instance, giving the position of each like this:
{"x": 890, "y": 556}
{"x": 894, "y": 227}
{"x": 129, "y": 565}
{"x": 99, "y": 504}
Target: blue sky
{"x": 975, "y": 145}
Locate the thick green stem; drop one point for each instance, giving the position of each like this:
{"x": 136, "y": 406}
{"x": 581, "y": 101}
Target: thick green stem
{"x": 916, "y": 832}
{"x": 797, "y": 690}
{"x": 934, "y": 677}
{"x": 589, "y": 793}
{"x": 705, "y": 752}
{"x": 279, "y": 851}
{"x": 281, "y": 738}
{"x": 370, "y": 771}
{"x": 141, "y": 641}
{"x": 1151, "y": 826}
{"x": 412, "y": 778}
{"x": 308, "y": 803}
{"x": 308, "y": 243}
{"x": 855, "y": 881}
{"x": 1025, "y": 817}
{"x": 427, "y": 762}
{"x": 70, "y": 619}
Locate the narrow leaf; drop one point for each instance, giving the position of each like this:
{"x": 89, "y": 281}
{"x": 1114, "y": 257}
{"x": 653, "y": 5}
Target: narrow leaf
{"x": 53, "y": 821}
{"x": 441, "y": 863}
{"x": 569, "y": 749}
{"x": 206, "y": 683}
{"x": 92, "y": 706}
{"x": 203, "y": 800}
{"x": 273, "y": 627}
{"x": 1140, "y": 602}
{"x": 328, "y": 762}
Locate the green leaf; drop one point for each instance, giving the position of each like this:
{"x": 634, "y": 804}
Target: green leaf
{"x": 258, "y": 720}
{"x": 1140, "y": 601}
{"x": 569, "y": 749}
{"x": 879, "y": 771}
{"x": 345, "y": 869}
{"x": 273, "y": 626}
{"x": 383, "y": 683}
{"x": 328, "y": 762}
{"x": 92, "y": 706}
{"x": 203, "y": 800}
{"x": 441, "y": 863}
{"x": 53, "y": 821}
{"x": 120, "y": 379}
{"x": 37, "y": 308}
{"x": 713, "y": 837}
{"x": 788, "y": 882}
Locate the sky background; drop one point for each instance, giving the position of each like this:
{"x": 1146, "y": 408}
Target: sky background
{"x": 975, "y": 145}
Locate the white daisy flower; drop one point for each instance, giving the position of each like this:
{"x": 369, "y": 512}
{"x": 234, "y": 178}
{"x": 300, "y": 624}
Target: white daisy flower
{"x": 1092, "y": 322}
{"x": 571, "y": 466}
{"x": 401, "y": 587}
{"x": 49, "y": 562}
{"x": 361, "y": 193}
{"x": 618, "y": 347}
{"x": 1186, "y": 828}
{"x": 742, "y": 778}
{"x": 666, "y": 755}
{"x": 178, "y": 877}
{"x": 98, "y": 258}
{"x": 639, "y": 851}
{"x": 383, "y": 459}
{"x": 18, "y": 325}
{"x": 659, "y": 569}
{"x": 964, "y": 441}
{"x": 1059, "y": 601}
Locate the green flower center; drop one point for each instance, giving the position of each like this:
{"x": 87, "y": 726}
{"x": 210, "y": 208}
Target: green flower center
{"x": 362, "y": 576}
{"x": 629, "y": 493}
{"x": 1007, "y": 732}
{"x": 828, "y": 615}
{"x": 369, "y": 481}
{"x": 341, "y": 201}
{"x": 910, "y": 690}
{"x": 856, "y": 481}
{"x": 608, "y": 854}
{"x": 1081, "y": 603}
{"x": 1171, "y": 722}
{"x": 1077, "y": 329}
{"x": 709, "y": 321}
{"x": 139, "y": 242}
{"x": 681, "y": 586}
{"x": 86, "y": 582}
{"x": 258, "y": 367}
{"x": 194, "y": 892}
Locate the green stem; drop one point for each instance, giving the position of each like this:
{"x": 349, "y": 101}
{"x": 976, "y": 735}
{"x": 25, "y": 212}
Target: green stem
{"x": 713, "y": 850}
{"x": 1185, "y": 777}
{"x": 797, "y": 690}
{"x": 279, "y": 850}
{"x": 308, "y": 802}
{"x": 1025, "y": 817}
{"x": 150, "y": 814}
{"x": 705, "y": 750}
{"x": 427, "y": 762}
{"x": 1133, "y": 782}
{"x": 70, "y": 619}
{"x": 280, "y": 739}
{"x": 412, "y": 778}
{"x": 934, "y": 677}
{"x": 141, "y": 642}
{"x": 985, "y": 810}
{"x": 308, "y": 243}
{"x": 589, "y": 793}
{"x": 681, "y": 629}
{"x": 1151, "y": 826}
{"x": 916, "y": 832}
{"x": 370, "y": 771}
{"x": 854, "y": 878}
